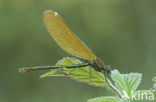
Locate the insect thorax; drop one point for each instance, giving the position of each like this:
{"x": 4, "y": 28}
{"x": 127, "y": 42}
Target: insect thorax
{"x": 99, "y": 66}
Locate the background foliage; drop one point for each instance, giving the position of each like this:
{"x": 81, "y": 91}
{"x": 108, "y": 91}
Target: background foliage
{"x": 121, "y": 32}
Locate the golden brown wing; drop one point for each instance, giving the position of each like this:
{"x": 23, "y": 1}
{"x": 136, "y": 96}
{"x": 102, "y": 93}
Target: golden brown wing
{"x": 65, "y": 37}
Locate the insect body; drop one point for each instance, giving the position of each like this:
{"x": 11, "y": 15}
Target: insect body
{"x": 68, "y": 41}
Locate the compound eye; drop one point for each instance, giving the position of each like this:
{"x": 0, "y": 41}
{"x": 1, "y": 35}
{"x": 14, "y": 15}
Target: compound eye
{"x": 108, "y": 69}
{"x": 96, "y": 69}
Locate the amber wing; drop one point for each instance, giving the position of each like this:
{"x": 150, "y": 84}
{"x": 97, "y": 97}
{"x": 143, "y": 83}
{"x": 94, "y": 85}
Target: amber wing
{"x": 64, "y": 37}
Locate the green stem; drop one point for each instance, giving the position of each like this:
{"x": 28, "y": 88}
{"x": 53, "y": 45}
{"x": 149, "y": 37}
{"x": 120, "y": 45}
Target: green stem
{"x": 115, "y": 90}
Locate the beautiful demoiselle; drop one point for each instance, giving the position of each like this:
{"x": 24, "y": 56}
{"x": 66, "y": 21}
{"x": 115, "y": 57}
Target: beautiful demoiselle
{"x": 68, "y": 41}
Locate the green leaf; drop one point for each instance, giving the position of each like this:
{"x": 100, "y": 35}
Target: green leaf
{"x": 107, "y": 99}
{"x": 82, "y": 74}
{"x": 154, "y": 79}
{"x": 126, "y": 83}
{"x": 154, "y": 85}
{"x": 53, "y": 72}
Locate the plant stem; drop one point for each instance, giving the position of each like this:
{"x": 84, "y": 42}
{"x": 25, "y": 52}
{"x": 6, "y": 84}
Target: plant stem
{"x": 114, "y": 89}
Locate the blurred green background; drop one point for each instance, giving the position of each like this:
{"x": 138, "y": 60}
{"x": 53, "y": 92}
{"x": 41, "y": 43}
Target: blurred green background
{"x": 121, "y": 32}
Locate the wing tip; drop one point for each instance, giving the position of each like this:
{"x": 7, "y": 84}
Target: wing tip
{"x": 50, "y": 12}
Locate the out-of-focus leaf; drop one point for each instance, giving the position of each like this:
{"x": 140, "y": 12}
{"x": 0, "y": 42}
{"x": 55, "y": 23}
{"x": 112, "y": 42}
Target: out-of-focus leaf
{"x": 107, "y": 99}
{"x": 154, "y": 79}
{"x": 154, "y": 87}
{"x": 82, "y": 74}
{"x": 126, "y": 83}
